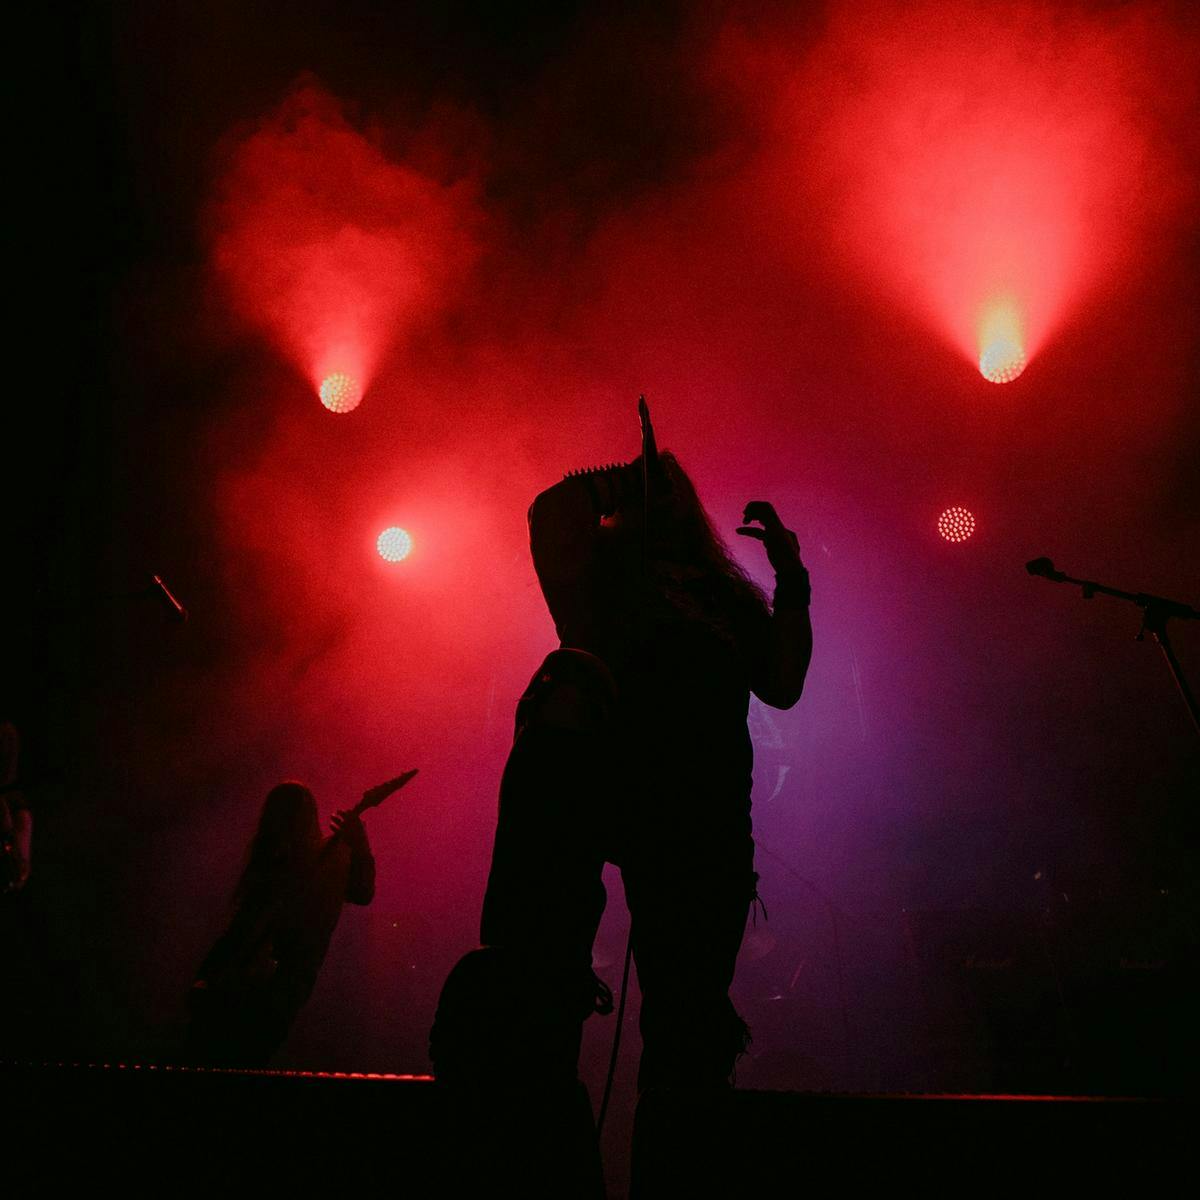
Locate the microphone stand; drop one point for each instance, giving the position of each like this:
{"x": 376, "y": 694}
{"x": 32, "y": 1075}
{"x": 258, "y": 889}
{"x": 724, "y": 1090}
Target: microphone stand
{"x": 1156, "y": 612}
{"x": 649, "y": 451}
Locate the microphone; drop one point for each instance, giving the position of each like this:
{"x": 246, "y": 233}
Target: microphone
{"x": 1045, "y": 568}
{"x": 654, "y": 478}
{"x": 649, "y": 445}
{"x": 170, "y": 602}
{"x": 379, "y": 793}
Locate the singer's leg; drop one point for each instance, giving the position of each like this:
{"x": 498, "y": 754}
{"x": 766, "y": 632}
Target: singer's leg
{"x": 545, "y": 895}
{"x": 544, "y": 892}
{"x": 688, "y": 918}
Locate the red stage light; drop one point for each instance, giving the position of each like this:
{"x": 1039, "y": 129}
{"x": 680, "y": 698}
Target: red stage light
{"x": 956, "y": 524}
{"x": 1001, "y": 341}
{"x": 340, "y": 393}
{"x": 394, "y": 544}
{"x": 1001, "y": 362}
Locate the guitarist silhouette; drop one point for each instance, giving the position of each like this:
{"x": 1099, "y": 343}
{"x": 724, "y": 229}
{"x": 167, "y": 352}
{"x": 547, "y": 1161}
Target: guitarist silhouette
{"x": 261, "y": 971}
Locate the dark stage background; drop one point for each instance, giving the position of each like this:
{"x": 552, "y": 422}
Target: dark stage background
{"x": 780, "y": 222}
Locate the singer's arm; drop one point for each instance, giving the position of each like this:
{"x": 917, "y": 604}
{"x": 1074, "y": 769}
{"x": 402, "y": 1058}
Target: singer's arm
{"x": 787, "y": 652}
{"x": 783, "y": 650}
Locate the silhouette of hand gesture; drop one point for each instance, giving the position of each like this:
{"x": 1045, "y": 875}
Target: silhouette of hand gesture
{"x": 347, "y": 825}
{"x": 782, "y": 545}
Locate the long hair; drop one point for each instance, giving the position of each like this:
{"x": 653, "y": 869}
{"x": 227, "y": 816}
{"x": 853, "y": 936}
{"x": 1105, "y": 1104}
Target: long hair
{"x": 288, "y": 833}
{"x": 688, "y": 562}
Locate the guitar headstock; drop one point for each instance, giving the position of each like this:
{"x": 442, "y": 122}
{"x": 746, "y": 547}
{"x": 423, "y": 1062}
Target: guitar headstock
{"x": 373, "y": 797}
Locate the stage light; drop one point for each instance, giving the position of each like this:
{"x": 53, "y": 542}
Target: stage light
{"x": 956, "y": 524}
{"x": 1001, "y": 361}
{"x": 340, "y": 393}
{"x": 1001, "y": 341}
{"x": 394, "y": 544}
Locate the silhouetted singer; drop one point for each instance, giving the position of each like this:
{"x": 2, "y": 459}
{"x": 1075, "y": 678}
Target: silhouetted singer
{"x": 631, "y": 747}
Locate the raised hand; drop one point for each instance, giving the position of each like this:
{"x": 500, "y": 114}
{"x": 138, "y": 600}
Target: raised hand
{"x": 782, "y": 545}
{"x": 347, "y": 825}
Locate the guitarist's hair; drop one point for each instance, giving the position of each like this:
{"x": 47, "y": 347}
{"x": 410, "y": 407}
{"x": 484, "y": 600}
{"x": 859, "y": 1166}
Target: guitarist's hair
{"x": 288, "y": 832}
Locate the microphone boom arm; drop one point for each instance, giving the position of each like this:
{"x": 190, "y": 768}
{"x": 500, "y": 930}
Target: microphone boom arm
{"x": 1156, "y": 612}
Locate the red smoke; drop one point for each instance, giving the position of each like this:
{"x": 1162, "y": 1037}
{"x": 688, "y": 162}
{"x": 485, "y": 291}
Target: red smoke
{"x": 766, "y": 261}
{"x": 327, "y": 246}
{"x": 988, "y": 166}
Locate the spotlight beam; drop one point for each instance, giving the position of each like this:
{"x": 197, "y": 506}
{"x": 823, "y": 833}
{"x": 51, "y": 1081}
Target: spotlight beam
{"x": 1002, "y": 341}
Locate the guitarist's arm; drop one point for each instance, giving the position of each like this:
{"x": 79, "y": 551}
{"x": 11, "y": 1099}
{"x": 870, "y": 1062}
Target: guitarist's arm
{"x": 360, "y": 881}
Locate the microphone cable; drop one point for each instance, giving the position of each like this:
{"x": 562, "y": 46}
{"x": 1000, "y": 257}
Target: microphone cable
{"x": 612, "y": 1061}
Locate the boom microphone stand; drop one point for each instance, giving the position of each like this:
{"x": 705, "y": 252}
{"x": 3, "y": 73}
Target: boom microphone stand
{"x": 1156, "y": 612}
